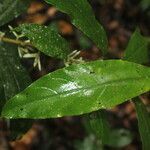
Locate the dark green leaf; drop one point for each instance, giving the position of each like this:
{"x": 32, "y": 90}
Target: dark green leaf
{"x": 137, "y": 50}
{"x": 13, "y": 79}
{"x": 142, "y": 57}
{"x": 143, "y": 122}
{"x": 83, "y": 18}
{"x": 99, "y": 125}
{"x": 112, "y": 137}
{"x": 80, "y": 89}
{"x": 46, "y": 39}
{"x": 10, "y": 9}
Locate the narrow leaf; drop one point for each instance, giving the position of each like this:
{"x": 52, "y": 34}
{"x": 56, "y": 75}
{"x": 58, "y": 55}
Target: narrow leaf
{"x": 141, "y": 56}
{"x": 99, "y": 125}
{"x": 143, "y": 122}
{"x": 46, "y": 39}
{"x": 83, "y": 18}
{"x": 80, "y": 89}
{"x": 10, "y": 9}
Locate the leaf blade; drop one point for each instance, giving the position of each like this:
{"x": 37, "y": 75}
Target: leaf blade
{"x": 142, "y": 114}
{"x": 84, "y": 19}
{"x": 10, "y": 9}
{"x": 45, "y": 39}
{"x": 137, "y": 49}
{"x": 57, "y": 94}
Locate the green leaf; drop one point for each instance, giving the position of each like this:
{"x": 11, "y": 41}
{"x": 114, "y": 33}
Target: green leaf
{"x": 80, "y": 89}
{"x": 10, "y": 9}
{"x": 13, "y": 79}
{"x": 13, "y": 76}
{"x": 83, "y": 18}
{"x": 99, "y": 124}
{"x": 90, "y": 143}
{"x": 143, "y": 122}
{"x": 45, "y": 39}
{"x": 137, "y": 49}
{"x": 142, "y": 114}
{"x": 145, "y": 4}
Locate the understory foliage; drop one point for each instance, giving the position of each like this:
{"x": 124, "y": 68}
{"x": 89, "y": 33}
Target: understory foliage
{"x": 81, "y": 88}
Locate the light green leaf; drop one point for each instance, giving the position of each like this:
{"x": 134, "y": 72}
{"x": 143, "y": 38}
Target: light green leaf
{"x": 80, "y": 89}
{"x": 83, "y": 18}
{"x": 45, "y": 39}
{"x": 142, "y": 57}
{"x": 137, "y": 49}
{"x": 10, "y": 9}
{"x": 90, "y": 143}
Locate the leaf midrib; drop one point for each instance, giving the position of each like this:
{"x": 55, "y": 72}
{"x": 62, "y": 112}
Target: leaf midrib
{"x": 89, "y": 87}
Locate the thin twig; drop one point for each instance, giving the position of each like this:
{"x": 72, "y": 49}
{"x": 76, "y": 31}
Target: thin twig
{"x": 13, "y": 41}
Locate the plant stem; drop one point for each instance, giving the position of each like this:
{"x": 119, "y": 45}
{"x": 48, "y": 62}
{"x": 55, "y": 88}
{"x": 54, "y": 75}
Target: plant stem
{"x": 14, "y": 41}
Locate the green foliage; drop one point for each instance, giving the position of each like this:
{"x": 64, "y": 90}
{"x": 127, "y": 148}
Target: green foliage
{"x": 13, "y": 76}
{"x": 83, "y": 18}
{"x": 143, "y": 122}
{"x": 45, "y": 39}
{"x": 136, "y": 50}
{"x": 10, "y": 9}
{"x": 90, "y": 86}
{"x": 77, "y": 89}
{"x": 14, "y": 79}
{"x": 140, "y": 45}
{"x": 90, "y": 143}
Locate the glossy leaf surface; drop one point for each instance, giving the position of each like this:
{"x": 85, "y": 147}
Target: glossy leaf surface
{"x": 137, "y": 49}
{"x": 10, "y": 9}
{"x": 83, "y": 18}
{"x": 80, "y": 89}
{"x": 45, "y": 39}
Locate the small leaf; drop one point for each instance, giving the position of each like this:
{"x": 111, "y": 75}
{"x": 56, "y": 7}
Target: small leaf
{"x": 80, "y": 89}
{"x": 45, "y": 39}
{"x": 10, "y": 9}
{"x": 136, "y": 50}
{"x": 89, "y": 143}
{"x": 119, "y": 138}
{"x": 83, "y": 18}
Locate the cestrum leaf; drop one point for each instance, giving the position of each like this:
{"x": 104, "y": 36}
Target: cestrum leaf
{"x": 83, "y": 18}
{"x": 10, "y": 9}
{"x": 80, "y": 89}
{"x": 45, "y": 39}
